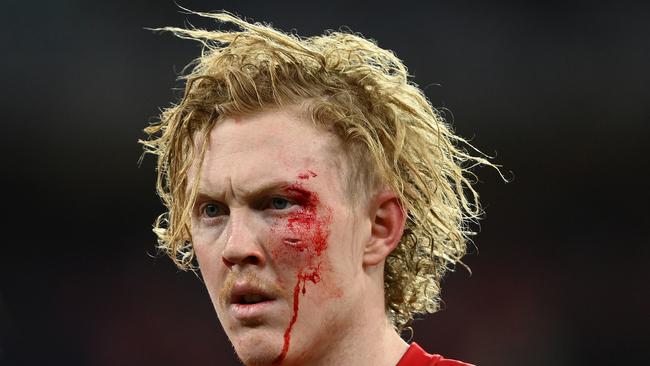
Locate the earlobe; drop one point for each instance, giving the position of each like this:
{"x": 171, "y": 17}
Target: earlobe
{"x": 388, "y": 219}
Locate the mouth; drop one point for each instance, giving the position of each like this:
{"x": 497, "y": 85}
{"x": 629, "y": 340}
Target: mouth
{"x": 250, "y": 299}
{"x": 247, "y": 302}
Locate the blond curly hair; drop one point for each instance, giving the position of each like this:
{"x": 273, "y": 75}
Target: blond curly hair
{"x": 359, "y": 91}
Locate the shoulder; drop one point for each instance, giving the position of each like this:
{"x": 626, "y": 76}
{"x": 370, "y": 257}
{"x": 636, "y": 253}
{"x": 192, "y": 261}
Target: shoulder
{"x": 416, "y": 356}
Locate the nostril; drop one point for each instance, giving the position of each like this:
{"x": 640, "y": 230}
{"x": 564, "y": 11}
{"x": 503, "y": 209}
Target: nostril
{"x": 251, "y": 259}
{"x": 228, "y": 263}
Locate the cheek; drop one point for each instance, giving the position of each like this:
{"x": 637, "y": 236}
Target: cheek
{"x": 201, "y": 249}
{"x": 295, "y": 242}
{"x": 208, "y": 254}
{"x": 303, "y": 235}
{"x": 201, "y": 252}
{"x": 209, "y": 270}
{"x": 301, "y": 246}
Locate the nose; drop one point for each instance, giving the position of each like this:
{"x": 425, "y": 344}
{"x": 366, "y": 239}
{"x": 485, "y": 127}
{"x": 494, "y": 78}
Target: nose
{"x": 243, "y": 247}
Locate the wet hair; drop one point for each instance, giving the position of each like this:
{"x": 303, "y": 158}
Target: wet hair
{"x": 390, "y": 133}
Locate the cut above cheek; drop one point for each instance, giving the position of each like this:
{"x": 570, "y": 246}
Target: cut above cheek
{"x": 297, "y": 241}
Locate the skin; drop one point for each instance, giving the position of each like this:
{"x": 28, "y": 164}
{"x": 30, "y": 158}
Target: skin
{"x": 273, "y": 213}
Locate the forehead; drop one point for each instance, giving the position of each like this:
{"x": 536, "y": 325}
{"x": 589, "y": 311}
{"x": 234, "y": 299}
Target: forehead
{"x": 272, "y": 145}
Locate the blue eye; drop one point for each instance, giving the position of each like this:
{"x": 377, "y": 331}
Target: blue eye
{"x": 213, "y": 210}
{"x": 279, "y": 203}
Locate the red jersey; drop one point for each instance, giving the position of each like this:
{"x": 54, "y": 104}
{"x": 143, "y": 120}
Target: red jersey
{"x": 416, "y": 356}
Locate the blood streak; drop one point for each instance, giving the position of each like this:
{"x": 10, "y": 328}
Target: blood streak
{"x": 313, "y": 233}
{"x": 287, "y": 332}
{"x": 302, "y": 278}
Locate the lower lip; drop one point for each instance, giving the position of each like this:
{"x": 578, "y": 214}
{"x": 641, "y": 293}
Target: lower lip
{"x": 247, "y": 311}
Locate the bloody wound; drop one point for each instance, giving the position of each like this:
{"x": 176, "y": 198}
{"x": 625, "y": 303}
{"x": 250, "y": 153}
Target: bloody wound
{"x": 313, "y": 233}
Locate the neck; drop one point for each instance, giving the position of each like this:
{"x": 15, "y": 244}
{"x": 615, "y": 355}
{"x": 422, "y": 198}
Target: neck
{"x": 378, "y": 345}
{"x": 368, "y": 340}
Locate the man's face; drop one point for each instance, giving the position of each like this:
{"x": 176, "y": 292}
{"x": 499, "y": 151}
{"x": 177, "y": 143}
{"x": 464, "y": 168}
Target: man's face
{"x": 278, "y": 242}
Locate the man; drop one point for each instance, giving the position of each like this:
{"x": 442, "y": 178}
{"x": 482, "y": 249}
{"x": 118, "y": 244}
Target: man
{"x": 320, "y": 193}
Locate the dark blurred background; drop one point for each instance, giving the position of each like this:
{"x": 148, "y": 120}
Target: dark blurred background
{"x": 558, "y": 91}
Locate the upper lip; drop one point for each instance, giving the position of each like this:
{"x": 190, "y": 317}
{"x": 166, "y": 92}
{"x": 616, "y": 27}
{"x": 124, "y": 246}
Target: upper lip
{"x": 242, "y": 289}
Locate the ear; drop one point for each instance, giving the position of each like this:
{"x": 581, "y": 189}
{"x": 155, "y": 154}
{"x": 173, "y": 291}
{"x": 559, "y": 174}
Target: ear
{"x": 388, "y": 219}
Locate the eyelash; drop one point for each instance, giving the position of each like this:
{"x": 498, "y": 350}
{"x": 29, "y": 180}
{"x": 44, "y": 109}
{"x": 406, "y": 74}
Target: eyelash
{"x": 271, "y": 201}
{"x": 224, "y": 210}
{"x": 264, "y": 205}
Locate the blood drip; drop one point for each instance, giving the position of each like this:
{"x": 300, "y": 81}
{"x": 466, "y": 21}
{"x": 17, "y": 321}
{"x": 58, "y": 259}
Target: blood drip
{"x": 302, "y": 278}
{"x": 314, "y": 231}
{"x": 287, "y": 332}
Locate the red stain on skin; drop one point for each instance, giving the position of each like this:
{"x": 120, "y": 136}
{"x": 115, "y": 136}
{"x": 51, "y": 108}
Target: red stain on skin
{"x": 309, "y": 236}
{"x": 302, "y": 278}
{"x": 309, "y": 174}
{"x": 287, "y": 332}
{"x": 306, "y": 223}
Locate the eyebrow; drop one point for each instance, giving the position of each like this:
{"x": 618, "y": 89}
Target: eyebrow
{"x": 245, "y": 194}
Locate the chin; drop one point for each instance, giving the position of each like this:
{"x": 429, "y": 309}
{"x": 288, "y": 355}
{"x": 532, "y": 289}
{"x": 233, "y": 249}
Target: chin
{"x": 256, "y": 347}
{"x": 257, "y": 359}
